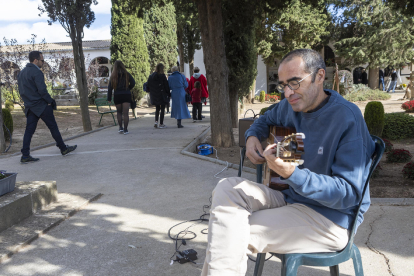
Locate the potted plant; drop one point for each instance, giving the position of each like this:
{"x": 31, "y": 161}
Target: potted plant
{"x": 7, "y": 182}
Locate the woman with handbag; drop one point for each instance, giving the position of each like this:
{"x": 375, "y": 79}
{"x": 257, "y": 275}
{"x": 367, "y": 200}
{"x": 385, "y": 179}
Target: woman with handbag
{"x": 159, "y": 93}
{"x": 178, "y": 84}
{"x": 121, "y": 82}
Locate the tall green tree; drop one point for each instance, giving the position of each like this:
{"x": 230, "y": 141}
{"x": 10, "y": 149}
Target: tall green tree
{"x": 128, "y": 43}
{"x": 380, "y": 36}
{"x": 74, "y": 16}
{"x": 297, "y": 26}
{"x": 192, "y": 35}
{"x": 241, "y": 52}
{"x": 160, "y": 35}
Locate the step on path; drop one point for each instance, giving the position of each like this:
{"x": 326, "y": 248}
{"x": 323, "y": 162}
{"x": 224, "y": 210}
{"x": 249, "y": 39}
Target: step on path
{"x": 31, "y": 210}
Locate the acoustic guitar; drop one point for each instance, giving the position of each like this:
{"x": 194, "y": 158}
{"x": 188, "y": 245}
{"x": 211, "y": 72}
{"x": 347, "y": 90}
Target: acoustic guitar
{"x": 289, "y": 148}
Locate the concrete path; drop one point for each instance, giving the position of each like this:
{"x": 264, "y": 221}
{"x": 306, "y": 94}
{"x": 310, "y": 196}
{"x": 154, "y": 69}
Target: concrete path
{"x": 148, "y": 187}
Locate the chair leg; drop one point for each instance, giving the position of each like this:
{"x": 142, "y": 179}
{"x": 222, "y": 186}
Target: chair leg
{"x": 258, "y": 269}
{"x": 259, "y": 171}
{"x": 334, "y": 270}
{"x": 356, "y": 258}
{"x": 290, "y": 266}
{"x": 100, "y": 120}
{"x": 243, "y": 153}
{"x": 113, "y": 118}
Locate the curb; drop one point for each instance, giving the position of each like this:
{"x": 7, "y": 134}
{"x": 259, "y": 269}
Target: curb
{"x": 190, "y": 148}
{"x": 54, "y": 224}
{"x": 392, "y": 201}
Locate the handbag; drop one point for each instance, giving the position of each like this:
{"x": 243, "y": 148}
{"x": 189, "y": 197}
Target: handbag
{"x": 187, "y": 98}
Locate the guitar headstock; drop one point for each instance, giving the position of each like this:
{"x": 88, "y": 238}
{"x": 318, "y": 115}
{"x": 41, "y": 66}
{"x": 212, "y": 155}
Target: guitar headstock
{"x": 291, "y": 148}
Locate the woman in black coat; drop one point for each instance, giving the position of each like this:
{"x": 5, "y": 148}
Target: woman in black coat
{"x": 159, "y": 93}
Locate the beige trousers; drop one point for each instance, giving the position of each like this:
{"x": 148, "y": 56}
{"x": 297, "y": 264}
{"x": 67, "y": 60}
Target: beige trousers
{"x": 246, "y": 217}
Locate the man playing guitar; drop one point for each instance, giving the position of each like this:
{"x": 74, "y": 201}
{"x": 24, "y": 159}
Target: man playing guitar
{"x": 315, "y": 213}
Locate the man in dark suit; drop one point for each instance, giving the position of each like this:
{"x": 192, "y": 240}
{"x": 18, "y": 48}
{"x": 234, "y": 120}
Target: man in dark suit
{"x": 38, "y": 105}
{"x": 364, "y": 77}
{"x": 357, "y": 76}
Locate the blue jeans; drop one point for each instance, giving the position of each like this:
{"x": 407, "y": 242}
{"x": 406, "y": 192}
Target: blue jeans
{"x": 49, "y": 119}
{"x": 381, "y": 81}
{"x": 393, "y": 84}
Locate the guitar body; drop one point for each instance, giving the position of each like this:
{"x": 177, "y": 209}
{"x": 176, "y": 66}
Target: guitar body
{"x": 292, "y": 152}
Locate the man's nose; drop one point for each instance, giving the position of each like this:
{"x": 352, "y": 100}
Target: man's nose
{"x": 288, "y": 91}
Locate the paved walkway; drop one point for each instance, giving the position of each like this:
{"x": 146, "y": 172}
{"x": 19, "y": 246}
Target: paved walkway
{"x": 148, "y": 187}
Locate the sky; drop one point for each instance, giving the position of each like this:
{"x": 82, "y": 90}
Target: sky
{"x": 19, "y": 19}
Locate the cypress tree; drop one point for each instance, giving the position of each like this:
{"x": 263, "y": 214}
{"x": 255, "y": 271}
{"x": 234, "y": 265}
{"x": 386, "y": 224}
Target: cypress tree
{"x": 188, "y": 32}
{"x": 128, "y": 43}
{"x": 241, "y": 52}
{"x": 160, "y": 34}
{"x": 296, "y": 26}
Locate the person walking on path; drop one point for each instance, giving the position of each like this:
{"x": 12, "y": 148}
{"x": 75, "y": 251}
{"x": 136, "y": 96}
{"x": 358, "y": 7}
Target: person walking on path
{"x": 357, "y": 76}
{"x": 196, "y": 101}
{"x": 364, "y": 77}
{"x": 393, "y": 83}
{"x": 159, "y": 93}
{"x": 381, "y": 80}
{"x": 121, "y": 82}
{"x": 37, "y": 105}
{"x": 178, "y": 84}
{"x": 203, "y": 81}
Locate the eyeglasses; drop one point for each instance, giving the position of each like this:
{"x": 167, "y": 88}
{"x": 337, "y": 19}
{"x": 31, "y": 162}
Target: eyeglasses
{"x": 293, "y": 84}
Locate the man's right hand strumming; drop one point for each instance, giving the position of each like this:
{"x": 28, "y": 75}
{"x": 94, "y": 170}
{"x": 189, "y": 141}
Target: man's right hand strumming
{"x": 254, "y": 150}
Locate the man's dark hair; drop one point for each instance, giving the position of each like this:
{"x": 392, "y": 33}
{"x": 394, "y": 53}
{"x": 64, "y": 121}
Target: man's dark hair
{"x": 196, "y": 70}
{"x": 34, "y": 55}
{"x": 312, "y": 59}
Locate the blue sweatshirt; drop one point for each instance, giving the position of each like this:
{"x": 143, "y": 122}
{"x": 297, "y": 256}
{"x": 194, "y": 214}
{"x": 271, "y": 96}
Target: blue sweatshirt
{"x": 338, "y": 149}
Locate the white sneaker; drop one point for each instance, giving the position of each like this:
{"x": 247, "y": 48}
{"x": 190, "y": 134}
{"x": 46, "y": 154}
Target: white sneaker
{"x": 162, "y": 126}
{"x": 194, "y": 121}
{"x": 121, "y": 130}
{"x": 126, "y": 132}
{"x": 156, "y": 125}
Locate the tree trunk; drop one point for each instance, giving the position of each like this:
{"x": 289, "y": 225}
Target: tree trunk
{"x": 234, "y": 107}
{"x": 373, "y": 78}
{"x": 191, "y": 49}
{"x": 211, "y": 26}
{"x": 191, "y": 63}
{"x": 252, "y": 92}
{"x": 180, "y": 47}
{"x": 411, "y": 80}
{"x": 81, "y": 79}
{"x": 2, "y": 140}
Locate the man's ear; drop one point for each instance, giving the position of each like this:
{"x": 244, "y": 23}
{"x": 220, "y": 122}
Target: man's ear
{"x": 320, "y": 76}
